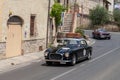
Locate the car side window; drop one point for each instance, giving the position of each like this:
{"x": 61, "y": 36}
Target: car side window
{"x": 83, "y": 43}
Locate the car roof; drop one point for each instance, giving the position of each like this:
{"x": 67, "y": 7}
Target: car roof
{"x": 72, "y": 39}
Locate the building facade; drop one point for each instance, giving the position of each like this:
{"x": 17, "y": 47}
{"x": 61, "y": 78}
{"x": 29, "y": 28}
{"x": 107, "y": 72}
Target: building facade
{"x": 86, "y": 5}
{"x": 23, "y": 26}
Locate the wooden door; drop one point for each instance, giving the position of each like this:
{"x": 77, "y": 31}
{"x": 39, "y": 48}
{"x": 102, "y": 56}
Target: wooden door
{"x": 14, "y": 40}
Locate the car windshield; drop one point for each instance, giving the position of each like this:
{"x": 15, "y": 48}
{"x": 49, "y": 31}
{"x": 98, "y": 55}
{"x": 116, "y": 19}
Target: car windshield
{"x": 102, "y": 30}
{"x": 71, "y": 43}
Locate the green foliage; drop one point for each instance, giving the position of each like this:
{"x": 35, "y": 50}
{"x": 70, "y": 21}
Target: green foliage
{"x": 99, "y": 16}
{"x": 116, "y": 15}
{"x": 79, "y": 30}
{"x": 56, "y": 12}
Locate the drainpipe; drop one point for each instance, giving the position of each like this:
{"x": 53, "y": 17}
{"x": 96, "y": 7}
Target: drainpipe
{"x": 48, "y": 21}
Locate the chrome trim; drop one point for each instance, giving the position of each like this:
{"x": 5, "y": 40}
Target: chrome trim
{"x": 61, "y": 61}
{"x": 57, "y": 54}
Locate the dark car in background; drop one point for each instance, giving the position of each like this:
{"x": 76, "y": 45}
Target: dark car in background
{"x": 101, "y": 34}
{"x": 70, "y": 51}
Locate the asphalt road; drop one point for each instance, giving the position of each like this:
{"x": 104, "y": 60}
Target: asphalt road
{"x": 104, "y": 65}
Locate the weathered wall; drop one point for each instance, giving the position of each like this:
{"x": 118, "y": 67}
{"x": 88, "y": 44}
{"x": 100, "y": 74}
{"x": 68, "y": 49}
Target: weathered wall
{"x": 30, "y": 46}
{"x": 24, "y": 8}
{"x": 86, "y": 5}
{"x": 1, "y": 4}
{"x": 2, "y": 47}
{"x": 83, "y": 21}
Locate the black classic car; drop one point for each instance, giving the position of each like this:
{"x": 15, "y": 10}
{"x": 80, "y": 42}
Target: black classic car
{"x": 101, "y": 34}
{"x": 69, "y": 52}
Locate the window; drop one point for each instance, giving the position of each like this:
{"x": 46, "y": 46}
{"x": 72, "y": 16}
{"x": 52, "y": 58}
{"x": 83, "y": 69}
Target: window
{"x": 73, "y": 42}
{"x": 83, "y": 43}
{"x": 32, "y": 25}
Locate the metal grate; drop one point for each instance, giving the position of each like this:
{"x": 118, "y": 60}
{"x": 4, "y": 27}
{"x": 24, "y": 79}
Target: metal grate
{"x": 55, "y": 56}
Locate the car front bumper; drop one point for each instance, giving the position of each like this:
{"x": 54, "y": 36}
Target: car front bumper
{"x": 104, "y": 36}
{"x": 60, "y": 61}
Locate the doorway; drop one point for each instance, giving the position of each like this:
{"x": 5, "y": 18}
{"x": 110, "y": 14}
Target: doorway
{"x": 14, "y": 37}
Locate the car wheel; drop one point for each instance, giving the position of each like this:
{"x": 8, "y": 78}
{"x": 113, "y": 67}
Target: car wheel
{"x": 73, "y": 62}
{"x": 89, "y": 56}
{"x": 98, "y": 37}
{"x": 93, "y": 36}
{"x": 109, "y": 38}
{"x": 48, "y": 63}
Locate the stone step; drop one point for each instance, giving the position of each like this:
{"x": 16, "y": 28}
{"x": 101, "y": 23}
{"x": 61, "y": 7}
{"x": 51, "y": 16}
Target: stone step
{"x": 67, "y": 25}
{"x": 67, "y": 19}
{"x": 67, "y": 22}
{"x": 68, "y": 16}
{"x": 66, "y": 28}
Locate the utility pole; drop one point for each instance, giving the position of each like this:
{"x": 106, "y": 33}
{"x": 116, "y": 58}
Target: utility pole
{"x": 48, "y": 22}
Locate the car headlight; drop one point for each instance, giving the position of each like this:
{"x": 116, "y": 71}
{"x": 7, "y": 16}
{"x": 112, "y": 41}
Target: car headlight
{"x": 66, "y": 54}
{"x": 46, "y": 54}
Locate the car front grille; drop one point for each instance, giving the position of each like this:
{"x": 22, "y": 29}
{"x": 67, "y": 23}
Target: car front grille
{"x": 106, "y": 34}
{"x": 56, "y": 56}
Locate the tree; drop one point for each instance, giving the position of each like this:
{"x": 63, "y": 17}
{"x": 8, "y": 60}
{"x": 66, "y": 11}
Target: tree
{"x": 56, "y": 12}
{"x": 80, "y": 31}
{"x": 99, "y": 16}
{"x": 116, "y": 15}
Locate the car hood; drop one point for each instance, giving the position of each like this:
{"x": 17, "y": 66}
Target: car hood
{"x": 104, "y": 32}
{"x": 62, "y": 50}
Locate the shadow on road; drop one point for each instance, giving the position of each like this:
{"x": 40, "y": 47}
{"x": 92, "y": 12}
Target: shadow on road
{"x": 64, "y": 65}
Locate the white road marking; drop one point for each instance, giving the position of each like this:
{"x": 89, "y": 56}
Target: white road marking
{"x": 63, "y": 74}
{"x": 82, "y": 65}
{"x": 104, "y": 54}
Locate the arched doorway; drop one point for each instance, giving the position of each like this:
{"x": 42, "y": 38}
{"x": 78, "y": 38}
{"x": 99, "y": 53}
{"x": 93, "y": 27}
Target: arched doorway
{"x": 14, "y": 36}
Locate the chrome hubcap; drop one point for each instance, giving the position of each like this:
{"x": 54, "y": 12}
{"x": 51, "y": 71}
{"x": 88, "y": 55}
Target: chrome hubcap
{"x": 74, "y": 59}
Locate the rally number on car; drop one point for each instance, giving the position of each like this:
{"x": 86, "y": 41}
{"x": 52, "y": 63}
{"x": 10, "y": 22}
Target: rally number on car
{"x": 84, "y": 52}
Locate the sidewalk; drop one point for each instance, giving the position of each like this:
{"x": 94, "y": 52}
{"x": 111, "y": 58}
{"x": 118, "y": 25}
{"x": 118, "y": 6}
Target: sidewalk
{"x": 10, "y": 62}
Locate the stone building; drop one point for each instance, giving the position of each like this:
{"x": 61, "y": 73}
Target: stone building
{"x": 23, "y": 26}
{"x": 86, "y": 5}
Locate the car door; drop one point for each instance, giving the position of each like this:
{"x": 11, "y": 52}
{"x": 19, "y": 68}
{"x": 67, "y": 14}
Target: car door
{"x": 80, "y": 50}
{"x": 84, "y": 51}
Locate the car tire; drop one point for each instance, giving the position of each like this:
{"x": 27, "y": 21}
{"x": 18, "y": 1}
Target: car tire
{"x": 93, "y": 36}
{"x": 48, "y": 63}
{"x": 99, "y": 37}
{"x": 89, "y": 55}
{"x": 109, "y": 38}
{"x": 73, "y": 62}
